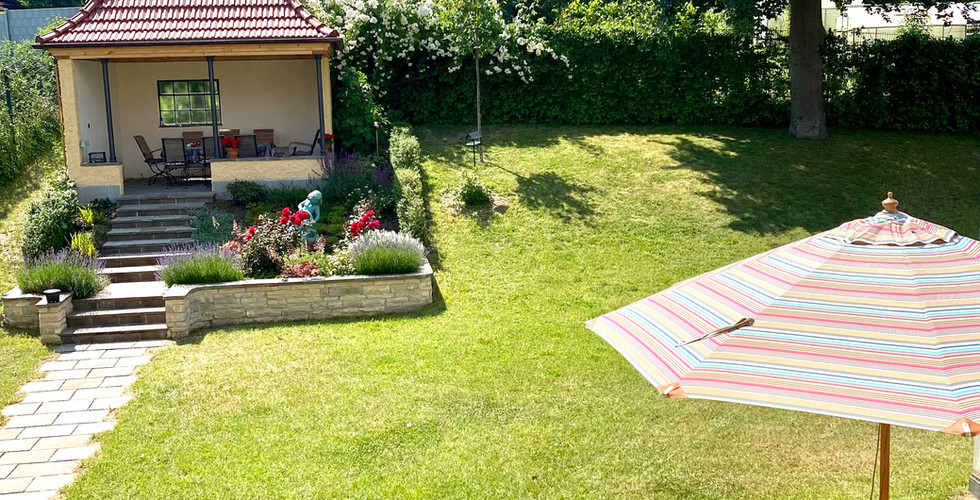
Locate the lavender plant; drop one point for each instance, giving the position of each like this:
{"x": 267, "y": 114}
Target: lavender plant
{"x": 386, "y": 252}
{"x": 69, "y": 271}
{"x": 187, "y": 265}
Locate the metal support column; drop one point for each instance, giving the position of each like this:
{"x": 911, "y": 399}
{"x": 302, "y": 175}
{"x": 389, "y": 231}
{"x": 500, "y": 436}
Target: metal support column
{"x": 319, "y": 99}
{"x": 108, "y": 110}
{"x": 214, "y": 108}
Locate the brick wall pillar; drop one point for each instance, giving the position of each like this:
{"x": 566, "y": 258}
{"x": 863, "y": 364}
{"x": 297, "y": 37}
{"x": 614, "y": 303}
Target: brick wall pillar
{"x": 53, "y": 319}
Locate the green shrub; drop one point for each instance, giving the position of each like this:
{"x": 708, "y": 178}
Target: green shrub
{"x": 355, "y": 111}
{"x": 327, "y": 264}
{"x": 410, "y": 208}
{"x": 202, "y": 264}
{"x": 83, "y": 243}
{"x": 247, "y": 192}
{"x": 472, "y": 192}
{"x": 66, "y": 270}
{"x": 31, "y": 128}
{"x": 405, "y": 150}
{"x": 287, "y": 196}
{"x": 212, "y": 225}
{"x": 386, "y": 252}
{"x": 50, "y": 222}
{"x": 86, "y": 217}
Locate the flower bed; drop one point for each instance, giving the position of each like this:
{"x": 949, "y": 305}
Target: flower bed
{"x": 195, "y": 307}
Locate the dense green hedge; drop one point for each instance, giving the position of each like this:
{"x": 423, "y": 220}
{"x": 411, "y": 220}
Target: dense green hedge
{"x": 616, "y": 77}
{"x": 624, "y": 77}
{"x": 911, "y": 83}
{"x": 31, "y": 127}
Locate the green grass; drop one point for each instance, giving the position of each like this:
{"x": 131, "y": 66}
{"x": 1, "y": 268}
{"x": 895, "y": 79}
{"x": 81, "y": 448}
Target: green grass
{"x": 498, "y": 391}
{"x": 19, "y": 353}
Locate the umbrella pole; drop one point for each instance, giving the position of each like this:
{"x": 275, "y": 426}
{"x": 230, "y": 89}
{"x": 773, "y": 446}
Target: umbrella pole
{"x": 884, "y": 444}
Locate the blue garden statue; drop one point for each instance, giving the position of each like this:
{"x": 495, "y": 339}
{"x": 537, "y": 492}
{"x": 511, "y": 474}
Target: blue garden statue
{"x": 312, "y": 206}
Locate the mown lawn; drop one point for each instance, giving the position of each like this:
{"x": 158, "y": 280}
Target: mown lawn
{"x": 19, "y": 353}
{"x": 497, "y": 391}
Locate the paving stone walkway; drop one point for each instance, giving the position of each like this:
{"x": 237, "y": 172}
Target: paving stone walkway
{"x": 50, "y": 430}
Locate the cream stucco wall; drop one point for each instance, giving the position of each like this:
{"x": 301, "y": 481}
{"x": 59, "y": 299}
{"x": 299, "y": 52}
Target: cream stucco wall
{"x": 93, "y": 181}
{"x": 277, "y": 94}
{"x": 91, "y": 107}
{"x": 268, "y": 171}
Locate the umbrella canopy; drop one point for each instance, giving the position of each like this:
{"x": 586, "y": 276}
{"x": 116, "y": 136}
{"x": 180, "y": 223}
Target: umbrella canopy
{"x": 877, "y": 320}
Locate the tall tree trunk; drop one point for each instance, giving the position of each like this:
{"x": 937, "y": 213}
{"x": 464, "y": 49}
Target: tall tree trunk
{"x": 807, "y": 118}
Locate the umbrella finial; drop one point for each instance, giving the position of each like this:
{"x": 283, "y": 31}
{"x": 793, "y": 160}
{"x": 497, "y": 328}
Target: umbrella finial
{"x": 890, "y": 204}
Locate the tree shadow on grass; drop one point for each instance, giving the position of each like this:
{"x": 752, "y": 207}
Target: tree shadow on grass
{"x": 771, "y": 183}
{"x": 549, "y": 191}
{"x": 445, "y": 143}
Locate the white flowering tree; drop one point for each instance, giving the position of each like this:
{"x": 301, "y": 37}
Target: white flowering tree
{"x": 394, "y": 41}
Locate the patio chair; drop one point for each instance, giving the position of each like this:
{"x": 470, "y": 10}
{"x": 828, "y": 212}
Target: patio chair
{"x": 209, "y": 152}
{"x": 192, "y": 137}
{"x": 248, "y": 147}
{"x": 155, "y": 164}
{"x": 199, "y": 164}
{"x": 265, "y": 136}
{"x": 304, "y": 149}
{"x": 174, "y": 159}
{"x": 282, "y": 151}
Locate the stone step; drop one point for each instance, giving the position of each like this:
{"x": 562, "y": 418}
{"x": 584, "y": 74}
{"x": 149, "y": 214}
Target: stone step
{"x": 124, "y": 296}
{"x": 151, "y": 221}
{"x": 155, "y": 209}
{"x": 118, "y": 317}
{"x": 143, "y": 246}
{"x": 164, "y": 198}
{"x": 131, "y": 274}
{"x": 132, "y": 260}
{"x": 149, "y": 233}
{"x": 122, "y": 333}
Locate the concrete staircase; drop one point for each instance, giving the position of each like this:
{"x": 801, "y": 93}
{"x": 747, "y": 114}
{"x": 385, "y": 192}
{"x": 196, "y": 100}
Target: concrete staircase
{"x": 132, "y": 308}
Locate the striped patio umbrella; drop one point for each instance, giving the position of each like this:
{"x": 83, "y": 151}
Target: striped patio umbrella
{"x": 877, "y": 320}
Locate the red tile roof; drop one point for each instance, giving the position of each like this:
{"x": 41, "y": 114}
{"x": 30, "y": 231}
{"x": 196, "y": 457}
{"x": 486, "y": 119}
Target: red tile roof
{"x": 161, "y": 22}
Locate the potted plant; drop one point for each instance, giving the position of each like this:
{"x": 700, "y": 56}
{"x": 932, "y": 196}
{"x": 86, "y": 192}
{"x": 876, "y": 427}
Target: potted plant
{"x": 231, "y": 144}
{"x": 328, "y": 142}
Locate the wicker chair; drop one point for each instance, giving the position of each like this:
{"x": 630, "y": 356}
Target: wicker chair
{"x": 192, "y": 137}
{"x": 155, "y": 164}
{"x": 248, "y": 147}
{"x": 174, "y": 159}
{"x": 304, "y": 149}
{"x": 265, "y": 136}
{"x": 209, "y": 152}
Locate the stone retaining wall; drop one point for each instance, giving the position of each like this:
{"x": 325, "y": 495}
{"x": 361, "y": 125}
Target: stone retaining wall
{"x": 194, "y": 307}
{"x": 20, "y": 310}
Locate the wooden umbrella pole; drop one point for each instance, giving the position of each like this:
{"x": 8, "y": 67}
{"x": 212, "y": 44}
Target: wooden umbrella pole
{"x": 884, "y": 448}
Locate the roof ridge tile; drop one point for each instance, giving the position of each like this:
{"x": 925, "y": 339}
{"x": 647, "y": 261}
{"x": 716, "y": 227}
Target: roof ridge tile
{"x": 106, "y": 22}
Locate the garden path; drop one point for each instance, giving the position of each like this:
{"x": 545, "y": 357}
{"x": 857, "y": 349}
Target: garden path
{"x": 50, "y": 429}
